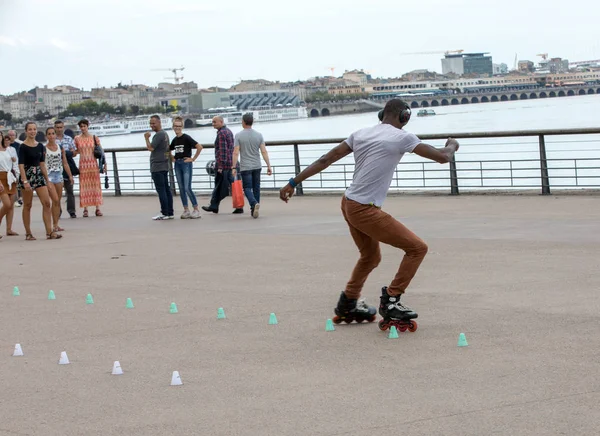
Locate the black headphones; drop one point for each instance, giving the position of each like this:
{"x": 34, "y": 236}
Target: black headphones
{"x": 403, "y": 118}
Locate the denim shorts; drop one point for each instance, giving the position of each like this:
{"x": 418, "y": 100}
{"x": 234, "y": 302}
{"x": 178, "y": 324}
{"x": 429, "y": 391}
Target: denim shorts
{"x": 55, "y": 177}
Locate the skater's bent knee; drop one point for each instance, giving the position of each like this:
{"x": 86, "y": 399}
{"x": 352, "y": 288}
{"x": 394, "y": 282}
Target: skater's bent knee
{"x": 420, "y": 249}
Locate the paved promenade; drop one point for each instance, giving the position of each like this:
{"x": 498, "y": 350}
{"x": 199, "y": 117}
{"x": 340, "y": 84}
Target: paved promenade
{"x": 517, "y": 274}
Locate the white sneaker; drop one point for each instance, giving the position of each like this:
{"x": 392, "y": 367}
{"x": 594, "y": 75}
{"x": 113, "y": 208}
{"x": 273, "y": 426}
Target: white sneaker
{"x": 170, "y": 217}
{"x": 186, "y": 215}
{"x": 255, "y": 211}
{"x": 195, "y": 214}
{"x": 159, "y": 217}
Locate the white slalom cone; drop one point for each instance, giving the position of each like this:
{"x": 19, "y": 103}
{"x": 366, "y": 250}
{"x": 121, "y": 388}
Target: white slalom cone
{"x": 117, "y": 370}
{"x": 64, "y": 360}
{"x": 18, "y": 350}
{"x": 176, "y": 379}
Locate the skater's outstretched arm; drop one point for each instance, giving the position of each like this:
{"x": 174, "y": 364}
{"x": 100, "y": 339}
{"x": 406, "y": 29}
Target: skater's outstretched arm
{"x": 440, "y": 155}
{"x": 316, "y": 167}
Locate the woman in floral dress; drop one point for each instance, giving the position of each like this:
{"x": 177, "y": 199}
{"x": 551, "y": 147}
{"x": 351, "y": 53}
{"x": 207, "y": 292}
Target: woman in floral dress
{"x": 90, "y": 189}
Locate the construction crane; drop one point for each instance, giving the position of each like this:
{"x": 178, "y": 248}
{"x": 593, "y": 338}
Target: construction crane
{"x": 432, "y": 52}
{"x": 543, "y": 55}
{"x": 332, "y": 69}
{"x": 175, "y": 77}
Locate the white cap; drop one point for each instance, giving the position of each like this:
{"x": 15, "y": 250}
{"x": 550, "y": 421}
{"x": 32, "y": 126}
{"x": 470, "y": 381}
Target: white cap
{"x": 64, "y": 360}
{"x": 176, "y": 379}
{"x": 117, "y": 370}
{"x": 18, "y": 350}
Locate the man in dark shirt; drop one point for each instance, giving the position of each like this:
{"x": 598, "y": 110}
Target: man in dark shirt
{"x": 159, "y": 168}
{"x": 223, "y": 159}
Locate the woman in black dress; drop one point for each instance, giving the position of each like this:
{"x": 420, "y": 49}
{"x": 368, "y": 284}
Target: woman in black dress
{"x": 34, "y": 176}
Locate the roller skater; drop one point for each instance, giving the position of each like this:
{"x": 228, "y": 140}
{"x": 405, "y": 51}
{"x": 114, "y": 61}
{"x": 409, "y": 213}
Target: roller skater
{"x": 349, "y": 310}
{"x": 377, "y": 151}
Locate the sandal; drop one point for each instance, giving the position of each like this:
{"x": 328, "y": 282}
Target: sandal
{"x": 11, "y": 233}
{"x": 85, "y": 213}
{"x": 58, "y": 229}
{"x": 29, "y": 237}
{"x": 98, "y": 213}
{"x": 53, "y": 235}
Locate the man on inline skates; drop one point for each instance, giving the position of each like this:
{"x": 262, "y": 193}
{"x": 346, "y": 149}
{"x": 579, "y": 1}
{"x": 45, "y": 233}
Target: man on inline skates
{"x": 377, "y": 151}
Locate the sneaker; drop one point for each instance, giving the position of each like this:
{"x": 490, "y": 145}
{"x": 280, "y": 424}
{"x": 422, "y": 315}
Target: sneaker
{"x": 159, "y": 217}
{"x": 18, "y": 203}
{"x": 186, "y": 215}
{"x": 195, "y": 214}
{"x": 238, "y": 211}
{"x": 255, "y": 210}
{"x": 170, "y": 217}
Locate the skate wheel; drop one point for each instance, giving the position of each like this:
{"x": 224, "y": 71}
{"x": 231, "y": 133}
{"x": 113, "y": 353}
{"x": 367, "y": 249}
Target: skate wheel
{"x": 412, "y": 327}
{"x": 373, "y": 318}
{"x": 383, "y": 325}
{"x": 402, "y": 328}
{"x": 348, "y": 320}
{"x": 359, "y": 320}
{"x": 336, "y": 319}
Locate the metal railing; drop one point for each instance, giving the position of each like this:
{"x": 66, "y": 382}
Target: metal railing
{"x": 510, "y": 160}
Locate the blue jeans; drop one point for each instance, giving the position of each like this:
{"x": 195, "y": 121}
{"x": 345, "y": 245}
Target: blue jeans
{"x": 251, "y": 183}
{"x": 161, "y": 183}
{"x": 183, "y": 172}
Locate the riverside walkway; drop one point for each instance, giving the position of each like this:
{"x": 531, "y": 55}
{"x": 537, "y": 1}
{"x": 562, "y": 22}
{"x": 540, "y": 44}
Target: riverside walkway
{"x": 517, "y": 274}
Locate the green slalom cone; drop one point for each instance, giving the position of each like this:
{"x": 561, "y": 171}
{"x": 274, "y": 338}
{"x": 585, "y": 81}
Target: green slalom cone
{"x": 16, "y": 292}
{"x": 393, "y": 333}
{"x": 129, "y": 304}
{"x": 220, "y": 313}
{"x": 329, "y": 326}
{"x": 51, "y": 295}
{"x": 272, "y": 319}
{"x": 462, "y": 340}
{"x": 173, "y": 308}
{"x": 89, "y": 299}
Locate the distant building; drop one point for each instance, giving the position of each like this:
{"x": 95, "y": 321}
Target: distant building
{"x": 467, "y": 64}
{"x": 358, "y": 77}
{"x": 525, "y": 67}
{"x": 416, "y": 75}
{"x": 203, "y": 101}
{"x": 500, "y": 69}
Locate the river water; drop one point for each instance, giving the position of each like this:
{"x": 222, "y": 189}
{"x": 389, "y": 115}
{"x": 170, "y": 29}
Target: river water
{"x": 555, "y": 113}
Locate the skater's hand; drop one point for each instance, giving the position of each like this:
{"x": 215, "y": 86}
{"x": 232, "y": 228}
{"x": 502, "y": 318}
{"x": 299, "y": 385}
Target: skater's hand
{"x": 453, "y": 142}
{"x": 286, "y": 193}
{"x": 269, "y": 171}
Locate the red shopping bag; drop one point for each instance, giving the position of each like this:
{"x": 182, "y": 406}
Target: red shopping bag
{"x": 237, "y": 194}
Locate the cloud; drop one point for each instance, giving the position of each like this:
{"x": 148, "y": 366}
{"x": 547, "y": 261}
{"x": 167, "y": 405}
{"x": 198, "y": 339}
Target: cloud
{"x": 5, "y": 40}
{"x": 62, "y": 45}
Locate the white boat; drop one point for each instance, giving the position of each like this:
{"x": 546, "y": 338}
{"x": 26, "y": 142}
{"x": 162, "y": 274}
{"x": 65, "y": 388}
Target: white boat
{"x": 132, "y": 125}
{"x": 141, "y": 123}
{"x": 108, "y": 128}
{"x": 232, "y": 115}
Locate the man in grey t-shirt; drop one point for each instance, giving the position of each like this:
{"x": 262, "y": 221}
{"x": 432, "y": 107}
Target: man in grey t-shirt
{"x": 159, "y": 167}
{"x": 248, "y": 145}
{"x": 377, "y": 151}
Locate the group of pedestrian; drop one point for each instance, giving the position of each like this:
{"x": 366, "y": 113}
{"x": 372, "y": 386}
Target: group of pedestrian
{"x": 31, "y": 166}
{"x": 232, "y": 153}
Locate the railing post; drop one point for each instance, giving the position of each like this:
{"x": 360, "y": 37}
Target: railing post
{"x": 116, "y": 175}
{"x": 172, "y": 179}
{"x": 544, "y": 167}
{"x": 453, "y": 177}
{"x": 299, "y": 190}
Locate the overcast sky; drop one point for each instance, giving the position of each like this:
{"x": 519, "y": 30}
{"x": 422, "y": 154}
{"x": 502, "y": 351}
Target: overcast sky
{"x": 100, "y": 43}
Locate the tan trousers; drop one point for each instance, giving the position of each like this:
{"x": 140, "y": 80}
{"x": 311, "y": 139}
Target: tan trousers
{"x": 369, "y": 226}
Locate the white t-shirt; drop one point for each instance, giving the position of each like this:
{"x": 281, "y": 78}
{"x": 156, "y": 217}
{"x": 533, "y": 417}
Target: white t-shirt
{"x": 5, "y": 161}
{"x": 13, "y": 154}
{"x": 377, "y": 152}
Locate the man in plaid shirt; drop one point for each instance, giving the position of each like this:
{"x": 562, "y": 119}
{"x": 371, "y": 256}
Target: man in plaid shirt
{"x": 223, "y": 157}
